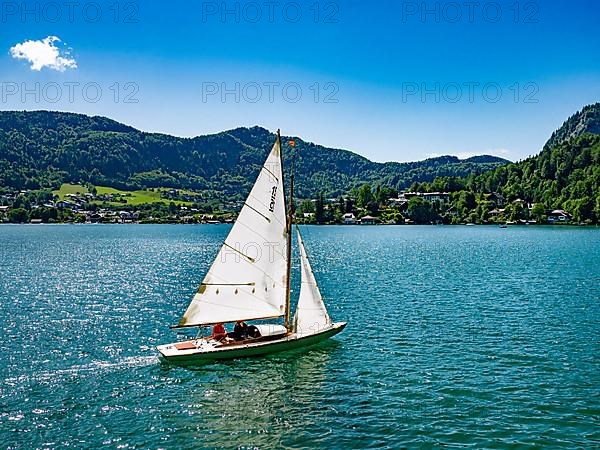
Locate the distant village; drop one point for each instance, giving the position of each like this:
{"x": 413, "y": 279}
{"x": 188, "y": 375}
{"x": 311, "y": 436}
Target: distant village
{"x": 449, "y": 213}
{"x": 401, "y": 208}
{"x": 23, "y": 207}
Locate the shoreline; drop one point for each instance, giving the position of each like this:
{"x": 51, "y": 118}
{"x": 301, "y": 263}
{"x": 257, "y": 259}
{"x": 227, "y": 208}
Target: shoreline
{"x": 497, "y": 225}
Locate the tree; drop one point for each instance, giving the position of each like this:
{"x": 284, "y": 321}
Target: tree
{"x": 538, "y": 212}
{"x": 421, "y": 211}
{"x": 364, "y": 196}
{"x": 46, "y": 214}
{"x": 341, "y": 205}
{"x": 320, "y": 209}
{"x": 515, "y": 211}
{"x": 373, "y": 208}
{"x": 483, "y": 210}
{"x": 384, "y": 193}
{"x": 466, "y": 200}
{"x": 348, "y": 205}
{"x": 584, "y": 209}
{"x": 306, "y": 206}
{"x": 18, "y": 215}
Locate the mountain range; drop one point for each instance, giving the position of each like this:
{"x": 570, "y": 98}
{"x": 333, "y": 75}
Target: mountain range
{"x": 42, "y": 149}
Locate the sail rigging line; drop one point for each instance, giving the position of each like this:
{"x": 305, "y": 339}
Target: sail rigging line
{"x": 257, "y": 212}
{"x": 242, "y": 284}
{"x": 249, "y": 258}
{"x": 272, "y": 174}
{"x": 266, "y": 207}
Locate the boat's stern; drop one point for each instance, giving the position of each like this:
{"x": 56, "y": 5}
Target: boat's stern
{"x": 178, "y": 350}
{"x": 167, "y": 350}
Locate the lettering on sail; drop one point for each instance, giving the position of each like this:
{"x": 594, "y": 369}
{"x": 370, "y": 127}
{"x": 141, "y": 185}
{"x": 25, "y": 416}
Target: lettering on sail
{"x": 272, "y": 205}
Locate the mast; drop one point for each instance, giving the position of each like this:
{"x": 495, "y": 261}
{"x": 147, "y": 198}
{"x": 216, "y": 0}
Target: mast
{"x": 289, "y": 241}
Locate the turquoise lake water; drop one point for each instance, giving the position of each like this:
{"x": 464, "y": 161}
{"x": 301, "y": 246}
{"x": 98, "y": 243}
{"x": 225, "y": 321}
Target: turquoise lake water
{"x": 457, "y": 336}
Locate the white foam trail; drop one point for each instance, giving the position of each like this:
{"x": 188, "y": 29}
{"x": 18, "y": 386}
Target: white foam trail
{"x": 83, "y": 369}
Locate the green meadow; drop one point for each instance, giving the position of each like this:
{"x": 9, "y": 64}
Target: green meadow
{"x": 67, "y": 188}
{"x": 133, "y": 198}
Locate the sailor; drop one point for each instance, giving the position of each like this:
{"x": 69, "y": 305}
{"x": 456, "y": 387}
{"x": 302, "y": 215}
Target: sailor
{"x": 218, "y": 332}
{"x": 253, "y": 332}
{"x": 240, "y": 331}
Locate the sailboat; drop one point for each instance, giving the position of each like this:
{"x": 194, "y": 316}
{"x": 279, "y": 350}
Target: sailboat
{"x": 250, "y": 279}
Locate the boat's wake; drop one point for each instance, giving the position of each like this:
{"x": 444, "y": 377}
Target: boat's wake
{"x": 83, "y": 370}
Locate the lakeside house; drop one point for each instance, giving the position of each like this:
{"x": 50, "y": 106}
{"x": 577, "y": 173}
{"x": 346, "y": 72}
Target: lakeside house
{"x": 522, "y": 203}
{"x": 558, "y": 216}
{"x": 399, "y": 204}
{"x": 496, "y": 212}
{"x": 94, "y": 217}
{"x": 128, "y": 216}
{"x": 349, "y": 219}
{"x": 68, "y": 205}
{"x": 441, "y": 197}
{"x": 368, "y": 220}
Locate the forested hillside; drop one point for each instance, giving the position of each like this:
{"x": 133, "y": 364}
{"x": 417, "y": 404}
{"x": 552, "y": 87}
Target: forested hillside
{"x": 43, "y": 149}
{"x": 564, "y": 175}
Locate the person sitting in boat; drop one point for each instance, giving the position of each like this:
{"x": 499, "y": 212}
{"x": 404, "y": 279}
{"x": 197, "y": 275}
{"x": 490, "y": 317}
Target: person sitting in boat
{"x": 253, "y": 332}
{"x": 240, "y": 331}
{"x": 218, "y": 332}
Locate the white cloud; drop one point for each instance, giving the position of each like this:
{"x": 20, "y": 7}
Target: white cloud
{"x": 43, "y": 53}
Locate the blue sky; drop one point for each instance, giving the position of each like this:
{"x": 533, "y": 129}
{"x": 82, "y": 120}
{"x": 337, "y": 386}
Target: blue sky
{"x": 390, "y": 80}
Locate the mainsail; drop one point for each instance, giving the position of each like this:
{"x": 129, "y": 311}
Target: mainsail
{"x": 311, "y": 315}
{"x": 248, "y": 278}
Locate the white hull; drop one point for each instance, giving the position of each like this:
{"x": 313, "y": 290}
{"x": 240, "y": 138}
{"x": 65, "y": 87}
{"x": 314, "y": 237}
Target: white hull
{"x": 202, "y": 350}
